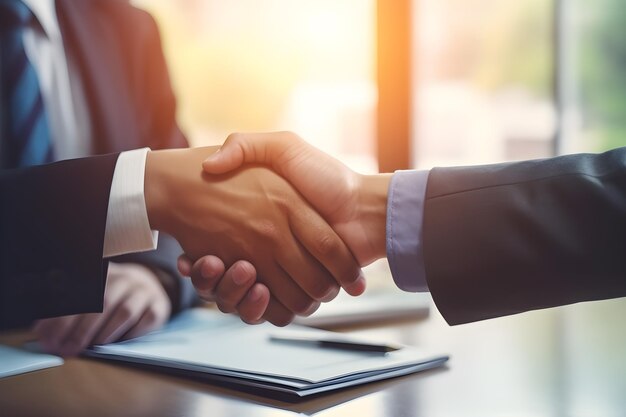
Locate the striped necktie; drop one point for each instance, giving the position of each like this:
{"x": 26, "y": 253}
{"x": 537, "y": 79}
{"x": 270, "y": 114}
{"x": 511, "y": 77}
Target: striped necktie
{"x": 25, "y": 133}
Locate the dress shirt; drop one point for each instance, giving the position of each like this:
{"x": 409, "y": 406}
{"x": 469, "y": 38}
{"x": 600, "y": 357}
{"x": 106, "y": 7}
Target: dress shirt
{"x": 127, "y": 225}
{"x": 60, "y": 82}
{"x": 405, "y": 215}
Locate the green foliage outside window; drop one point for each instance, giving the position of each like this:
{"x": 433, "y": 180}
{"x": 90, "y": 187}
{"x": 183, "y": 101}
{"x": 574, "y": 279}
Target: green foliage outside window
{"x": 601, "y": 46}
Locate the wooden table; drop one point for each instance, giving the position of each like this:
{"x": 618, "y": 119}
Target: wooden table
{"x": 561, "y": 362}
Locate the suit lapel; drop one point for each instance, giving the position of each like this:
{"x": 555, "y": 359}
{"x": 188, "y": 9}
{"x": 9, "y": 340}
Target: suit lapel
{"x": 92, "y": 37}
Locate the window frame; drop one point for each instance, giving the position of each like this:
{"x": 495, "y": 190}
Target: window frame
{"x": 394, "y": 80}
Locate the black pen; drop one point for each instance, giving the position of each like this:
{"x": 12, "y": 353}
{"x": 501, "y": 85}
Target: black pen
{"x": 335, "y": 343}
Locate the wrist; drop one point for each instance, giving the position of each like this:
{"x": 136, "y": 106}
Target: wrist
{"x": 167, "y": 184}
{"x": 155, "y": 189}
{"x": 372, "y": 210}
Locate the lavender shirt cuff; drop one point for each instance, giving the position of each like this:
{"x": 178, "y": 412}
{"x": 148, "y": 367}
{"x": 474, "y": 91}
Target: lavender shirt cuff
{"x": 405, "y": 214}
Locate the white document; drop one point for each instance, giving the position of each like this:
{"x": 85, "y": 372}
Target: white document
{"x": 17, "y": 361}
{"x": 206, "y": 342}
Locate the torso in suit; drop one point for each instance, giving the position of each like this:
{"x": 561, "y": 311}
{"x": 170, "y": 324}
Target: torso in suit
{"x": 52, "y": 217}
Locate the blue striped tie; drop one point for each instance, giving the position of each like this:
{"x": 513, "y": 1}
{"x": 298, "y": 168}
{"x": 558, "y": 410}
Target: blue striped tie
{"x": 25, "y": 134}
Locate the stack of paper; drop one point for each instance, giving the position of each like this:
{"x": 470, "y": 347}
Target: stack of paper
{"x": 221, "y": 348}
{"x": 18, "y": 361}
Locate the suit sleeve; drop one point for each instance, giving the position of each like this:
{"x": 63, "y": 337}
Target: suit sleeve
{"x": 52, "y": 223}
{"x": 507, "y": 238}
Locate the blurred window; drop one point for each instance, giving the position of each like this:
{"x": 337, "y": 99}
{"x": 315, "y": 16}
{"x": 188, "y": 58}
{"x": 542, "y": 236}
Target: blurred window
{"x": 250, "y": 65}
{"x": 483, "y": 81}
{"x": 481, "y": 88}
{"x": 593, "y": 93}
{"x": 482, "y": 74}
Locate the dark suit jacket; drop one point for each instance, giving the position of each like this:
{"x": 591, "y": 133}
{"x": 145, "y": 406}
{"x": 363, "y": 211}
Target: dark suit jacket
{"x": 52, "y": 218}
{"x": 502, "y": 239}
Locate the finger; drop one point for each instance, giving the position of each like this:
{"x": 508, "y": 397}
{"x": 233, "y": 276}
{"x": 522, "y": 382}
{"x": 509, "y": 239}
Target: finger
{"x": 184, "y": 265}
{"x": 240, "y": 148}
{"x": 311, "y": 276}
{"x": 285, "y": 290}
{"x": 230, "y": 156}
{"x": 152, "y": 318}
{"x": 313, "y": 309}
{"x": 326, "y": 246}
{"x": 82, "y": 334}
{"x": 278, "y": 314}
{"x": 126, "y": 314}
{"x": 254, "y": 304}
{"x": 53, "y": 331}
{"x": 87, "y": 326}
{"x": 145, "y": 325}
{"x": 205, "y": 275}
{"x": 357, "y": 287}
{"x": 234, "y": 286}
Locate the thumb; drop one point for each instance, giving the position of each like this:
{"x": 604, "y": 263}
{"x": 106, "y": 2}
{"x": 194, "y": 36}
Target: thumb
{"x": 253, "y": 148}
{"x": 229, "y": 157}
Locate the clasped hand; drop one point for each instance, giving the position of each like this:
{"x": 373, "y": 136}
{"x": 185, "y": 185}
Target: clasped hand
{"x": 280, "y": 240}
{"x": 254, "y": 216}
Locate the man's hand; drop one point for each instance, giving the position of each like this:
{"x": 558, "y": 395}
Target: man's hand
{"x": 234, "y": 291}
{"x": 134, "y": 304}
{"x": 255, "y": 215}
{"x": 354, "y": 205}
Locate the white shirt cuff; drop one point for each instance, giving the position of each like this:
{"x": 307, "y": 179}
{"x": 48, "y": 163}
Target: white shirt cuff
{"x": 127, "y": 227}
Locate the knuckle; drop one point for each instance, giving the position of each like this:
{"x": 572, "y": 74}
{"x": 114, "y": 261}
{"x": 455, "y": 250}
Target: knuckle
{"x": 268, "y": 229}
{"x": 327, "y": 245}
{"x": 242, "y": 270}
{"x": 233, "y": 137}
{"x": 238, "y": 140}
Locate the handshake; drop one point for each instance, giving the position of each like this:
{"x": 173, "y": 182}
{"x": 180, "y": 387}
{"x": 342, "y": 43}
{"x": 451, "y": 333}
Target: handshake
{"x": 271, "y": 226}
